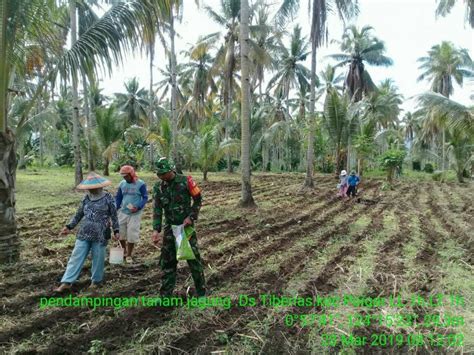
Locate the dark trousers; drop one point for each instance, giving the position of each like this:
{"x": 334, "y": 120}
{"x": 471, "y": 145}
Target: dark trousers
{"x": 351, "y": 191}
{"x": 168, "y": 263}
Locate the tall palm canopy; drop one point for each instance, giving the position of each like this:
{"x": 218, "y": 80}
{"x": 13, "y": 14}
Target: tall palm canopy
{"x": 359, "y": 47}
{"x": 291, "y": 71}
{"x": 346, "y": 9}
{"x": 444, "y": 64}
{"x": 133, "y": 103}
{"x": 445, "y": 7}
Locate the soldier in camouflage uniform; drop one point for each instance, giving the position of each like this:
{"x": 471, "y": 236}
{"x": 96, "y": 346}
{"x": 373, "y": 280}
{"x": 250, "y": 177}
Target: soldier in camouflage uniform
{"x": 180, "y": 199}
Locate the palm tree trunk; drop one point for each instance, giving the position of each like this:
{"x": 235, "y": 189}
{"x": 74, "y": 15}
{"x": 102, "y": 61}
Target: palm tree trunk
{"x": 106, "y": 167}
{"x": 349, "y": 153}
{"x": 443, "y": 147}
{"x": 308, "y": 182}
{"x": 41, "y": 148}
{"x": 174, "y": 92}
{"x": 152, "y": 102}
{"x": 75, "y": 103}
{"x": 4, "y": 76}
{"x": 9, "y": 241}
{"x": 246, "y": 198}
{"x": 264, "y": 121}
{"x": 229, "y": 79}
{"x": 90, "y": 155}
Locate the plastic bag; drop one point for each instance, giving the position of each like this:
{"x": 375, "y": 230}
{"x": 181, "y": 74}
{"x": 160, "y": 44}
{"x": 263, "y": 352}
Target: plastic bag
{"x": 183, "y": 247}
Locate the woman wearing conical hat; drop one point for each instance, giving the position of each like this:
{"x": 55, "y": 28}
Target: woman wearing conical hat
{"x": 96, "y": 211}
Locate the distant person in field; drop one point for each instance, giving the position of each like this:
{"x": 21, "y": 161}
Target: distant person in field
{"x": 342, "y": 186}
{"x": 179, "y": 198}
{"x": 353, "y": 182}
{"x": 95, "y": 213}
{"x": 130, "y": 200}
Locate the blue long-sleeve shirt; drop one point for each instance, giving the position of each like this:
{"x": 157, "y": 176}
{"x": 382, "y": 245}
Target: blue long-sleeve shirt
{"x": 134, "y": 194}
{"x": 353, "y": 180}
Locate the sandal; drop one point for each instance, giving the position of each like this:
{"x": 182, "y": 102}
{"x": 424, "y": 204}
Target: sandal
{"x": 62, "y": 288}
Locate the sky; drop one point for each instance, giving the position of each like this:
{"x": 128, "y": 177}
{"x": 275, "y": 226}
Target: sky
{"x": 409, "y": 29}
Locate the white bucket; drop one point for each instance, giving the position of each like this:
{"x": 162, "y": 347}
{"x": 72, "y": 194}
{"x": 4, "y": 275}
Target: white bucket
{"x": 116, "y": 255}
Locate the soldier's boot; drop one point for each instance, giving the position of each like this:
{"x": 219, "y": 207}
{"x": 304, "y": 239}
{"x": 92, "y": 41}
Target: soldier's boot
{"x": 198, "y": 276}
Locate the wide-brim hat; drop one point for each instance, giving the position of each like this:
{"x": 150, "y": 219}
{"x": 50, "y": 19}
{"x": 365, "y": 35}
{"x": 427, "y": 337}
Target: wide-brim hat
{"x": 343, "y": 172}
{"x": 93, "y": 181}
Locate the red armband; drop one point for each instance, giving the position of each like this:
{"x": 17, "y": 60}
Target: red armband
{"x": 194, "y": 190}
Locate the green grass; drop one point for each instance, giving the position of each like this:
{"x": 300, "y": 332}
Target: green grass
{"x": 53, "y": 187}
{"x": 410, "y": 175}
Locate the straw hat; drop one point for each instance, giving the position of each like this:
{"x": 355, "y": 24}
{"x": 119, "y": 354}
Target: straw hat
{"x": 93, "y": 181}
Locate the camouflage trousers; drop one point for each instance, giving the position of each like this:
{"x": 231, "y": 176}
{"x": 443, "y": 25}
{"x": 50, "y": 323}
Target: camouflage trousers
{"x": 168, "y": 263}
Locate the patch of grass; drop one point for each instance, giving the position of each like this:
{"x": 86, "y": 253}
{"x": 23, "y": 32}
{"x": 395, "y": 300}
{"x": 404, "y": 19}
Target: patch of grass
{"x": 359, "y": 224}
{"x": 456, "y": 279}
{"x": 412, "y": 248}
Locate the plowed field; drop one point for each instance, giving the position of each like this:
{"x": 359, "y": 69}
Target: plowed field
{"x": 414, "y": 240}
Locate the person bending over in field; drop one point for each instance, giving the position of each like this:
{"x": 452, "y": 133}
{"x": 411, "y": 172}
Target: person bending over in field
{"x": 342, "y": 186}
{"x": 352, "y": 181}
{"x": 96, "y": 211}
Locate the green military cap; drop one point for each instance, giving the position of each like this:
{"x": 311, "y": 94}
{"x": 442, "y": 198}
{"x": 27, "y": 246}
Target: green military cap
{"x": 163, "y": 165}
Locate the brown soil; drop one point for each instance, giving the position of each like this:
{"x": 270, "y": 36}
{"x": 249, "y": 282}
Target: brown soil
{"x": 231, "y": 246}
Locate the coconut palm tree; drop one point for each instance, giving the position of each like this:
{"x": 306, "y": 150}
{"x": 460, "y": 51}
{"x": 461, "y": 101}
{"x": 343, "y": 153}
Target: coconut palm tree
{"x": 198, "y": 72}
{"x": 444, "y": 64}
{"x": 359, "y": 47}
{"x": 459, "y": 123}
{"x": 380, "y": 108}
{"x": 133, "y": 104}
{"x": 86, "y": 17}
{"x": 346, "y": 9}
{"x": 27, "y": 22}
{"x": 263, "y": 44}
{"x": 328, "y": 80}
{"x": 108, "y": 132}
{"x": 246, "y": 199}
{"x": 291, "y": 73}
{"x": 23, "y": 25}
{"x": 445, "y": 7}
{"x": 226, "y": 58}
{"x": 76, "y": 133}
{"x": 209, "y": 150}
{"x": 336, "y": 120}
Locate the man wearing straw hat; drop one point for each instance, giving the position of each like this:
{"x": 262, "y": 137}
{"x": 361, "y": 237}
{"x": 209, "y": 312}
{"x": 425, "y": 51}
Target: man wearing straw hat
{"x": 179, "y": 198}
{"x": 95, "y": 212}
{"x": 130, "y": 200}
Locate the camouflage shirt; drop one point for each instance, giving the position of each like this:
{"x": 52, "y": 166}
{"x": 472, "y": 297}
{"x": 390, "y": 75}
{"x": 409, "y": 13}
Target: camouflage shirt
{"x": 178, "y": 199}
